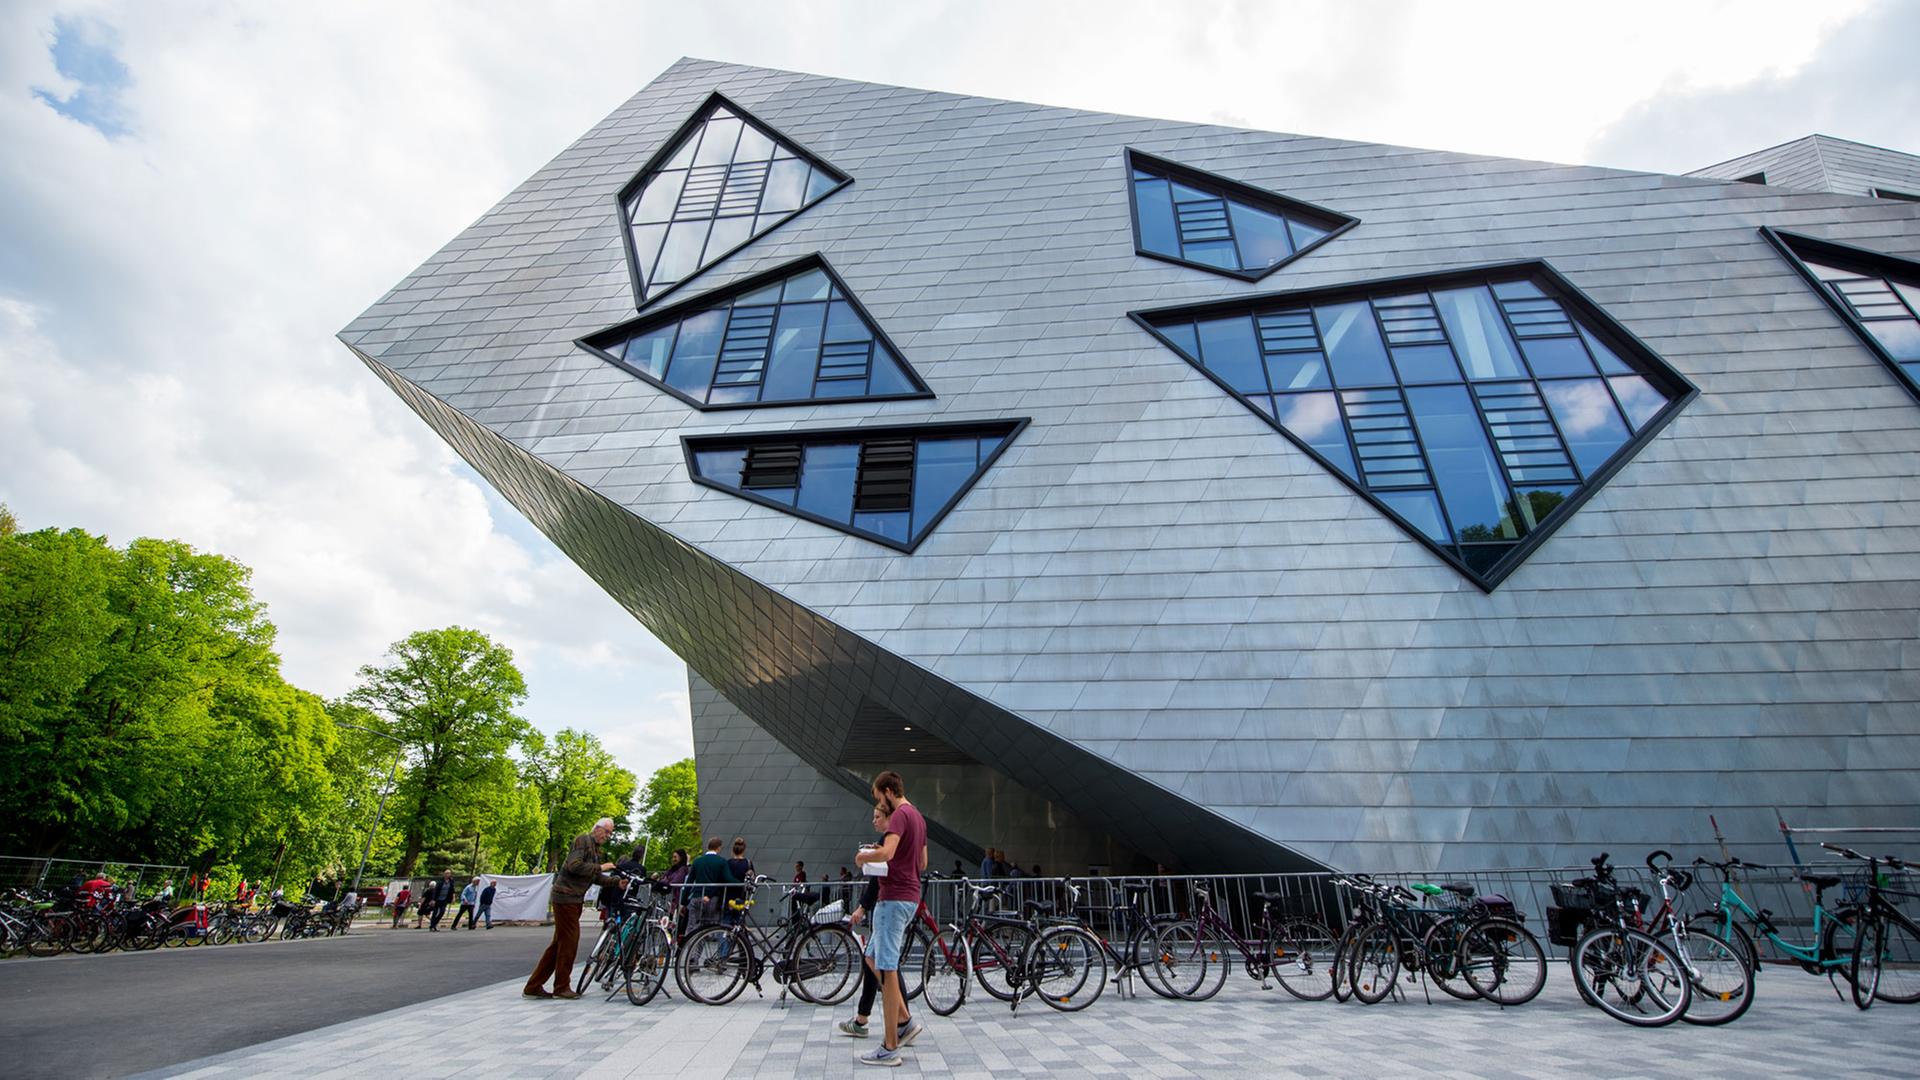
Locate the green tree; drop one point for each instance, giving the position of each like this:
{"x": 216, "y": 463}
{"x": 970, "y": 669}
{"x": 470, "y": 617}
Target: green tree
{"x": 450, "y": 696}
{"x": 670, "y": 812}
{"x": 578, "y": 782}
{"x": 8, "y": 523}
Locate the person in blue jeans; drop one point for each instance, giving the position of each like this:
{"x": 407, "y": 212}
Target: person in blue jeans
{"x": 869, "y": 982}
{"x": 486, "y": 905}
{"x": 904, "y": 850}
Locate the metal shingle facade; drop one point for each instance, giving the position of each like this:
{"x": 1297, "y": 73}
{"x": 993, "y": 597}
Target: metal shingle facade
{"x": 1154, "y": 612}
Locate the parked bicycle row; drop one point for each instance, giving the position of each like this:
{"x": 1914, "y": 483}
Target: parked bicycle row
{"x": 101, "y": 917}
{"x": 1644, "y": 957}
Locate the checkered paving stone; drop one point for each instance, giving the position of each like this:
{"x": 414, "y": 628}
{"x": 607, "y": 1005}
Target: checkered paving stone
{"x": 1796, "y": 1027}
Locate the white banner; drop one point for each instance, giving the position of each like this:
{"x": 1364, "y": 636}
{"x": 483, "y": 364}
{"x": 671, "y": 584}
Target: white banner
{"x": 521, "y": 897}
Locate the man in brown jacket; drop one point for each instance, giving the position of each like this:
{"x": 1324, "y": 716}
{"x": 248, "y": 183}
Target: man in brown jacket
{"x": 584, "y": 866}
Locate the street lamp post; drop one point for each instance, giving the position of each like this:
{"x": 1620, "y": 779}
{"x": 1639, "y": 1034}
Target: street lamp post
{"x": 400, "y": 748}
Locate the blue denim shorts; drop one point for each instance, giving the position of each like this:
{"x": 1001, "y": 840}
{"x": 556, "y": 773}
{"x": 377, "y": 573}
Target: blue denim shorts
{"x": 891, "y": 918}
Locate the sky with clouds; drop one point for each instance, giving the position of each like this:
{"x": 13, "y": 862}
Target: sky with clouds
{"x": 194, "y": 197}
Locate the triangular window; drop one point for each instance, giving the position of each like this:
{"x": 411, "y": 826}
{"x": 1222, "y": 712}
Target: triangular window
{"x": 889, "y": 485}
{"x": 792, "y": 335}
{"x": 722, "y": 180}
{"x": 1195, "y": 218}
{"x": 1876, "y": 295}
{"x": 1476, "y": 409}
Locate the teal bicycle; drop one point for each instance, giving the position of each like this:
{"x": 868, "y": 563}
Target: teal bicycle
{"x": 1830, "y": 953}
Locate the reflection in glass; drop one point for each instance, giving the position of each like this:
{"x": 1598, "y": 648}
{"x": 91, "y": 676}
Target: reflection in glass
{"x": 1213, "y": 224}
{"x": 1478, "y": 334}
{"x": 1588, "y": 420}
{"x": 1464, "y": 468}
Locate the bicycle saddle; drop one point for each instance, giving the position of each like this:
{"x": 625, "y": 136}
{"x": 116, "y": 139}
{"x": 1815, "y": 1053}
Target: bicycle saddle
{"x": 1820, "y": 881}
{"x": 1039, "y": 907}
{"x": 1458, "y": 888}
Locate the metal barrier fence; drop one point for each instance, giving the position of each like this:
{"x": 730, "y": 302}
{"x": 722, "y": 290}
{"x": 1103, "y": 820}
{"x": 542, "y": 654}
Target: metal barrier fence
{"x": 1239, "y": 898}
{"x": 22, "y": 872}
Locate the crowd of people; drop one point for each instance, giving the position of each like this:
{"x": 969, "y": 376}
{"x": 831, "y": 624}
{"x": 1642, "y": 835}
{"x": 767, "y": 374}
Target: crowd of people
{"x": 436, "y": 896}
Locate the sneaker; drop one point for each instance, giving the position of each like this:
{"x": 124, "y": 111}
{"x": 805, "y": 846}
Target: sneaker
{"x": 854, "y": 1028}
{"x": 882, "y": 1056}
{"x": 909, "y": 1031}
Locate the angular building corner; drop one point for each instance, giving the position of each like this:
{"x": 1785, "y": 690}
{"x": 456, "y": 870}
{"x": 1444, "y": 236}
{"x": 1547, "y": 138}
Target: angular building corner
{"x": 1162, "y": 493}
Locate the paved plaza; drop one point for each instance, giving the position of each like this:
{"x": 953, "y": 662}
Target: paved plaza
{"x": 1796, "y": 1027}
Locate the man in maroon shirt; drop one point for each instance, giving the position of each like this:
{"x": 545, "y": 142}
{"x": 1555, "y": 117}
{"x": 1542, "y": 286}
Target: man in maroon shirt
{"x": 904, "y": 850}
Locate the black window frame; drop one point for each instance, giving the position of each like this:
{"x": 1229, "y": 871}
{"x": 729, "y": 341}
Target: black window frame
{"x": 1646, "y": 363}
{"x": 1006, "y": 430}
{"x": 1337, "y": 222}
{"x": 598, "y": 341}
{"x": 1895, "y": 195}
{"x": 1752, "y": 178}
{"x": 641, "y": 299}
{"x": 1847, "y": 257}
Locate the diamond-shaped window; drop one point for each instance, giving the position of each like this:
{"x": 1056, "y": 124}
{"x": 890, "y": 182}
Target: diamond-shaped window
{"x": 1476, "y": 409}
{"x": 1876, "y": 295}
{"x": 1194, "y": 218}
{"x": 722, "y": 180}
{"x": 890, "y": 485}
{"x": 792, "y": 335}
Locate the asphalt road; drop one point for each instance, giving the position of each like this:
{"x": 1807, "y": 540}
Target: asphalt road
{"x": 87, "y": 1016}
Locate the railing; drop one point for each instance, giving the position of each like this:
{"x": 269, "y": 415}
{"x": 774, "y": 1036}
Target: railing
{"x": 26, "y": 872}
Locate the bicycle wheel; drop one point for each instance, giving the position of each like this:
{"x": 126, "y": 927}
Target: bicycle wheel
{"x": 49, "y": 935}
{"x": 1442, "y": 949}
{"x": 1865, "y": 965}
{"x": 646, "y": 965}
{"x": 997, "y": 957}
{"x": 1631, "y": 977}
{"x": 599, "y": 958}
{"x": 945, "y": 972}
{"x": 1898, "y": 966}
{"x": 1303, "y": 959}
{"x": 826, "y": 965}
{"x": 1342, "y": 962}
{"x": 1722, "y": 981}
{"x": 1837, "y": 940}
{"x": 1139, "y": 959}
{"x": 1191, "y": 965}
{"x": 1374, "y": 963}
{"x": 713, "y": 965}
{"x": 1503, "y": 961}
{"x": 913, "y": 960}
{"x": 1066, "y": 968}
{"x": 1722, "y": 926}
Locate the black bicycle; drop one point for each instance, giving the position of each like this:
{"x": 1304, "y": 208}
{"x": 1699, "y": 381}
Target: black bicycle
{"x": 1886, "y": 949}
{"x": 818, "y": 962}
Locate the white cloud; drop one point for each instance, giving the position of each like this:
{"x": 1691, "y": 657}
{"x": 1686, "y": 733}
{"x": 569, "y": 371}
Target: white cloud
{"x": 168, "y": 298}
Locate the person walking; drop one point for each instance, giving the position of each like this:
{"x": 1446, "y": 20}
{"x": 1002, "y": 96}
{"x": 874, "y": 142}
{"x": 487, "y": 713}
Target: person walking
{"x": 400, "y": 901}
{"x": 869, "y": 981}
{"x": 442, "y": 899}
{"x": 799, "y": 873}
{"x": 986, "y": 865}
{"x": 469, "y": 901}
{"x": 739, "y": 874}
{"x": 676, "y": 876}
{"x": 486, "y": 905}
{"x": 424, "y": 903}
{"x": 583, "y": 866}
{"x": 904, "y": 850}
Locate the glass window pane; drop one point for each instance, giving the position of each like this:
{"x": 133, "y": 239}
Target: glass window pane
{"x": 1900, "y": 337}
{"x": 1297, "y": 371}
{"x": 762, "y": 297}
{"x": 662, "y": 194}
{"x": 1426, "y": 364}
{"x": 1588, "y": 419}
{"x": 1557, "y": 356}
{"x": 844, "y": 324}
{"x": 1183, "y": 338}
{"x": 1639, "y": 398}
{"x": 1421, "y": 510}
{"x": 1534, "y": 504}
{"x": 1517, "y": 290}
{"x": 796, "y": 352}
{"x": 1477, "y": 333}
{"x": 649, "y": 351}
{"x": 683, "y": 154}
{"x": 1610, "y": 363}
{"x": 1464, "y": 468}
{"x": 940, "y": 468}
{"x": 892, "y": 524}
{"x": 733, "y": 395}
{"x": 716, "y": 146}
{"x": 721, "y": 466}
{"x": 826, "y": 481}
{"x": 728, "y": 233}
{"x": 754, "y": 145}
{"x": 1228, "y": 350}
{"x": 1354, "y": 349}
{"x": 1909, "y": 293}
{"x": 812, "y": 285}
{"x": 1304, "y": 233}
{"x": 1262, "y": 236}
{"x": 1314, "y": 419}
{"x": 786, "y": 186}
{"x": 693, "y": 355}
{"x": 887, "y": 376}
{"x": 646, "y": 248}
{"x": 1183, "y": 193}
{"x": 680, "y": 255}
{"x": 1214, "y": 253}
{"x": 1156, "y": 217}
{"x": 819, "y": 184}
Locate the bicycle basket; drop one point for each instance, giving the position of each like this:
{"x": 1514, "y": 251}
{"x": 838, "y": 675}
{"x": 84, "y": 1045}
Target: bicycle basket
{"x": 831, "y": 913}
{"x": 1573, "y": 895}
{"x": 1499, "y": 907}
{"x": 1566, "y": 924}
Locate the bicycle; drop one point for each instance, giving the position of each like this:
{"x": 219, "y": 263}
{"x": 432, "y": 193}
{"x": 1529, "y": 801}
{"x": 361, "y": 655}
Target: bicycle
{"x": 1649, "y": 970}
{"x": 818, "y": 962}
{"x": 1735, "y": 921}
{"x": 1479, "y": 941}
{"x": 1063, "y": 960}
{"x": 989, "y": 948}
{"x": 1296, "y": 949}
{"x": 1887, "y": 942}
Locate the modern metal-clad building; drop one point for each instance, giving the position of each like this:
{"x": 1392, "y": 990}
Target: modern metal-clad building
{"x": 1165, "y": 493}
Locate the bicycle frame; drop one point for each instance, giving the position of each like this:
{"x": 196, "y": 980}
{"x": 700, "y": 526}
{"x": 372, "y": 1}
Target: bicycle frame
{"x": 1805, "y": 955}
